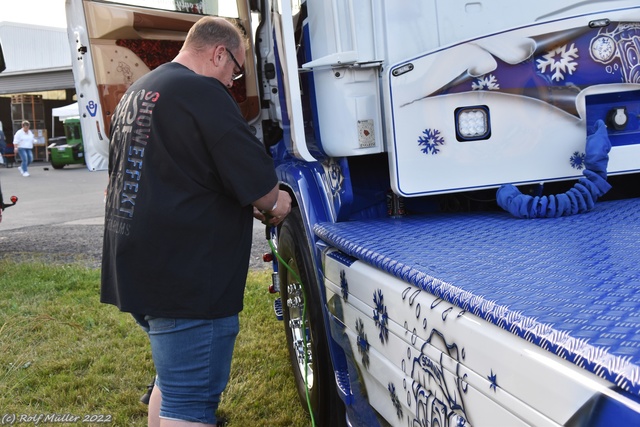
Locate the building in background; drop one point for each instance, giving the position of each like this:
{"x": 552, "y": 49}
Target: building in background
{"x": 38, "y": 63}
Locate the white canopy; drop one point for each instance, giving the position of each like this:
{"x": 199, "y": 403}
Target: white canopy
{"x": 71, "y": 110}
{"x": 67, "y": 111}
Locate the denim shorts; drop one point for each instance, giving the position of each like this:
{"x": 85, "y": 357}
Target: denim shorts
{"x": 192, "y": 358}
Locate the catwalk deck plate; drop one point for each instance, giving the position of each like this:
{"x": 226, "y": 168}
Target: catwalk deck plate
{"x": 570, "y": 285}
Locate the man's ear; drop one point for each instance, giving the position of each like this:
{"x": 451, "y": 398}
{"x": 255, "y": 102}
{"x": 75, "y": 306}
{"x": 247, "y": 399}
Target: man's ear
{"x": 218, "y": 53}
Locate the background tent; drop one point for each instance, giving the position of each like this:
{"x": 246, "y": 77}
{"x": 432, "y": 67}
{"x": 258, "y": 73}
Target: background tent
{"x": 71, "y": 110}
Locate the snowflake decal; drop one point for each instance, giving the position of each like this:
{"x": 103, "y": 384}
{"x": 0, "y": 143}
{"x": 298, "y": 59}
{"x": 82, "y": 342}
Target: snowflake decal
{"x": 486, "y": 83}
{"x": 560, "y": 61}
{"x": 430, "y": 141}
{"x": 363, "y": 343}
{"x": 394, "y": 400}
{"x": 577, "y": 160}
{"x": 344, "y": 285}
{"x": 380, "y": 316}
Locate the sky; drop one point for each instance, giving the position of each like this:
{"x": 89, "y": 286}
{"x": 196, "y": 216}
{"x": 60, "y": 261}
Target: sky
{"x": 49, "y": 13}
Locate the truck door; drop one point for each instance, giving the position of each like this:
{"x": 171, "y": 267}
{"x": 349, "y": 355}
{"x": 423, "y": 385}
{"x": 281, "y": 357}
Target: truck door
{"x": 114, "y": 43}
{"x": 281, "y": 26}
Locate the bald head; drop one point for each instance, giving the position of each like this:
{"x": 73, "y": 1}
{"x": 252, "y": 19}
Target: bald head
{"x": 214, "y": 47}
{"x": 210, "y": 31}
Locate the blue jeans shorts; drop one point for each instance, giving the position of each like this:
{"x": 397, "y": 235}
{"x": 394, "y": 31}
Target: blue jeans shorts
{"x": 192, "y": 358}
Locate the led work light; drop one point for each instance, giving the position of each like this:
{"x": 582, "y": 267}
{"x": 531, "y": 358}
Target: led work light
{"x": 472, "y": 123}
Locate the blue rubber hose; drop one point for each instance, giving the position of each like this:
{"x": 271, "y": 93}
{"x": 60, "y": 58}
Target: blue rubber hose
{"x": 579, "y": 199}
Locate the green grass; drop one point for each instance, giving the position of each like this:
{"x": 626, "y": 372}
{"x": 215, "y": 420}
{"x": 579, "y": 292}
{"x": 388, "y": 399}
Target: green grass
{"x": 63, "y": 352}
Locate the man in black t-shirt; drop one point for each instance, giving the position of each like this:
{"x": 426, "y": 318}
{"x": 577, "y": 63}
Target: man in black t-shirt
{"x": 185, "y": 176}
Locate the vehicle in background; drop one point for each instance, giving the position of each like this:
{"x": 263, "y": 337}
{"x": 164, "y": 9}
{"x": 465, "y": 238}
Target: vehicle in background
{"x": 68, "y": 149}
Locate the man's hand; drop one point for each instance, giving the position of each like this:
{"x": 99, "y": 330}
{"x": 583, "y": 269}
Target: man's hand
{"x": 278, "y": 214}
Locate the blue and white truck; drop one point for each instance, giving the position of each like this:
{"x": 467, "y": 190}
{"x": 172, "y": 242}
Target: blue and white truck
{"x": 464, "y": 244}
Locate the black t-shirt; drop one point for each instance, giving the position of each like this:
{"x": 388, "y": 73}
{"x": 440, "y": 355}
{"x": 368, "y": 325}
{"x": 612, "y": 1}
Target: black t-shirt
{"x": 184, "y": 169}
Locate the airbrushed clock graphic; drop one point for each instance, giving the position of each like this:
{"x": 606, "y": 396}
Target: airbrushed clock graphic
{"x": 603, "y": 48}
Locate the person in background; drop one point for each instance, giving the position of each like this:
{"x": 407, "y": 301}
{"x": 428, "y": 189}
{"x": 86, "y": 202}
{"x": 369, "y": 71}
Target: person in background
{"x": 186, "y": 177}
{"x": 3, "y": 144}
{"x": 1, "y": 203}
{"x": 23, "y": 143}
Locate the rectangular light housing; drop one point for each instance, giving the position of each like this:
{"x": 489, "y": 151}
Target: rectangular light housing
{"x": 472, "y": 123}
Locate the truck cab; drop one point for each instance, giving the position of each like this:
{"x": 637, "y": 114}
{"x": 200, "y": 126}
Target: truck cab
{"x": 411, "y": 291}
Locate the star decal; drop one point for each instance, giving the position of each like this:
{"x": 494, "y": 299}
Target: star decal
{"x": 494, "y": 381}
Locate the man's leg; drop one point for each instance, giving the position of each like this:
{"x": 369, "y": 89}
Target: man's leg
{"x": 154, "y": 408}
{"x": 193, "y": 361}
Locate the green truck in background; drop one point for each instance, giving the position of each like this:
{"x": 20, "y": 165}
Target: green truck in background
{"x": 68, "y": 149}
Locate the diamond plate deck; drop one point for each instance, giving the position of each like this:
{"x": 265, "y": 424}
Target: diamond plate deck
{"x": 570, "y": 285}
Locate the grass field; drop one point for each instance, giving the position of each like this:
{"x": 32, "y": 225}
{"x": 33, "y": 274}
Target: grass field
{"x": 63, "y": 352}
